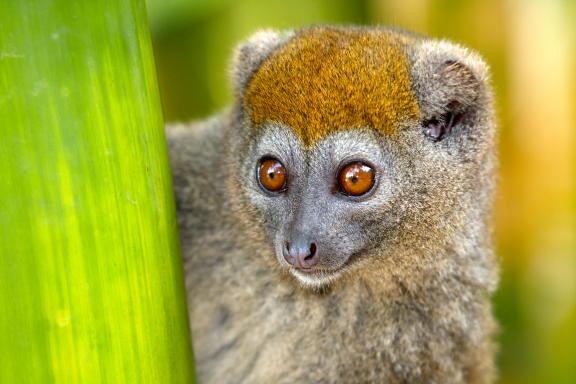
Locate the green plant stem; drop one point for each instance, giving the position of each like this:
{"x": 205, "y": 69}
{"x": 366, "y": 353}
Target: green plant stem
{"x": 91, "y": 286}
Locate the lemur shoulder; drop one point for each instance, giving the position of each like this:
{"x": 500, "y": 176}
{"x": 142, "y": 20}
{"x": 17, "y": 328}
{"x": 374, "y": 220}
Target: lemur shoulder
{"x": 335, "y": 220}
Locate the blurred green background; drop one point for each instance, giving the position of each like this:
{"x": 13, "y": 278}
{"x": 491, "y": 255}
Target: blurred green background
{"x": 531, "y": 46}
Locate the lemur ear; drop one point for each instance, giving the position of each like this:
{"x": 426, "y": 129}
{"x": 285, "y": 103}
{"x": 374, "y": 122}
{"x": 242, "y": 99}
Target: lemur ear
{"x": 449, "y": 81}
{"x": 251, "y": 53}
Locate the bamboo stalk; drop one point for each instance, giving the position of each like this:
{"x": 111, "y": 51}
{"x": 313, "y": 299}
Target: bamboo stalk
{"x": 91, "y": 287}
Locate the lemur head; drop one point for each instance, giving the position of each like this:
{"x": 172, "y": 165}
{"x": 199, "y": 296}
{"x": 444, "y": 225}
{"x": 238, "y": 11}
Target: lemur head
{"x": 361, "y": 149}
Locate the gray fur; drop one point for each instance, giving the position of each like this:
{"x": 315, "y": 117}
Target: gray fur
{"x": 249, "y": 55}
{"x": 411, "y": 304}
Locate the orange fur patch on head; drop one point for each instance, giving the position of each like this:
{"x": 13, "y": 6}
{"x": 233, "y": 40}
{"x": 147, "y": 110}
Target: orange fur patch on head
{"x": 325, "y": 79}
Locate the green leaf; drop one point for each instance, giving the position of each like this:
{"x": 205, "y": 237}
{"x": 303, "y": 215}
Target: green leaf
{"x": 91, "y": 285}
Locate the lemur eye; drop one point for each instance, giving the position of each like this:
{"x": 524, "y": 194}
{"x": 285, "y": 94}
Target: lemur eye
{"x": 272, "y": 175}
{"x": 356, "y": 179}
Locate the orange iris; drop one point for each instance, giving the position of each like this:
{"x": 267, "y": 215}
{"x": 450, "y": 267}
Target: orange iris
{"x": 272, "y": 175}
{"x": 356, "y": 179}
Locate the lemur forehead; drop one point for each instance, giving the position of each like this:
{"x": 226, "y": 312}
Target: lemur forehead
{"x": 326, "y": 79}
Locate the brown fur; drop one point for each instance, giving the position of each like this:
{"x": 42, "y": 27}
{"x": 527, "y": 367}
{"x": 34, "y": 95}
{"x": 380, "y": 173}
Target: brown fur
{"x": 337, "y": 78}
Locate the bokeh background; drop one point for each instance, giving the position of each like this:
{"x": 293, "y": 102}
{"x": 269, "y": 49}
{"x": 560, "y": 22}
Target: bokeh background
{"x": 531, "y": 47}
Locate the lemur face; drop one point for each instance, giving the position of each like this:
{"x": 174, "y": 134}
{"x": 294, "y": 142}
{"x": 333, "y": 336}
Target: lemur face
{"x": 342, "y": 134}
{"x": 319, "y": 203}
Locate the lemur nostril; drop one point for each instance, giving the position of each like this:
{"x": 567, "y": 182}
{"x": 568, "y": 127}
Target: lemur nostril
{"x": 312, "y": 252}
{"x": 291, "y": 259}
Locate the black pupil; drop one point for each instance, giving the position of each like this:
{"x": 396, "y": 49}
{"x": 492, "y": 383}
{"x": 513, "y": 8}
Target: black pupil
{"x": 354, "y": 179}
{"x": 271, "y": 174}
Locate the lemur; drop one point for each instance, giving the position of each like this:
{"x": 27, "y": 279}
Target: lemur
{"x": 335, "y": 220}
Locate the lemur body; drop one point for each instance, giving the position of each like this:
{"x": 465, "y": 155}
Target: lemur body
{"x": 307, "y": 284}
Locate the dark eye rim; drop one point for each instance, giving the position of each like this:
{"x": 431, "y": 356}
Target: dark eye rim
{"x": 257, "y": 175}
{"x": 369, "y": 192}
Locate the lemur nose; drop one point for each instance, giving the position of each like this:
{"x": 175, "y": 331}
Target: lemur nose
{"x": 302, "y": 256}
